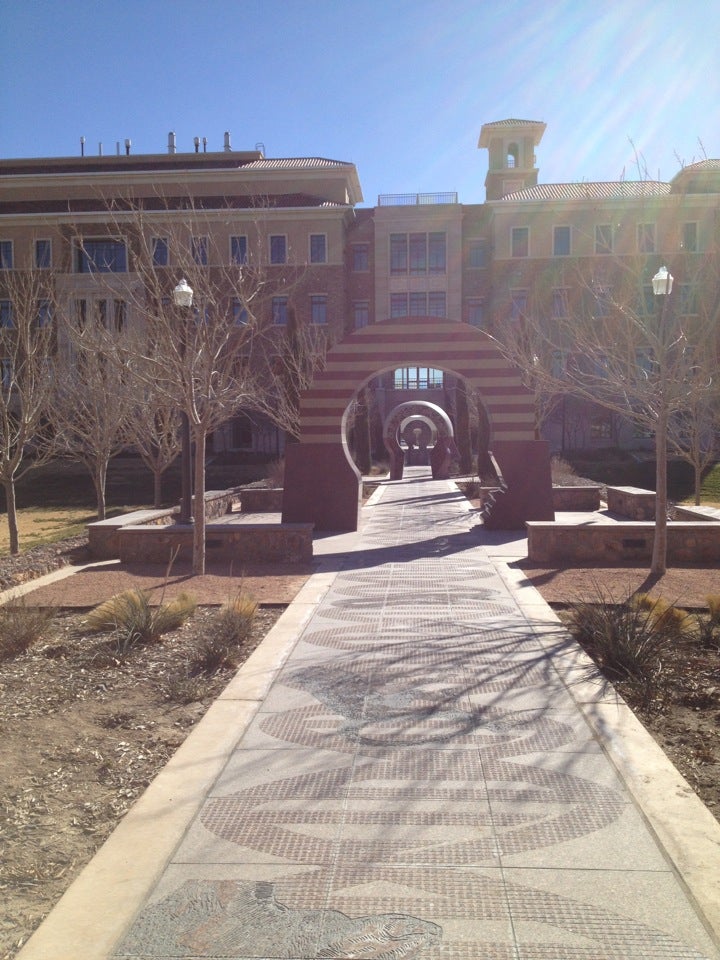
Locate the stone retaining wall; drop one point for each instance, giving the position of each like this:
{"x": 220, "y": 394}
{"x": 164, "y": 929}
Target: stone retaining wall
{"x": 236, "y": 543}
{"x": 261, "y": 500}
{"x": 688, "y": 542}
{"x": 632, "y": 502}
{"x": 580, "y": 497}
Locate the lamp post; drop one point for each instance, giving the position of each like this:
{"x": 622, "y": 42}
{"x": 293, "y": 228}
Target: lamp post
{"x": 662, "y": 286}
{"x": 182, "y": 297}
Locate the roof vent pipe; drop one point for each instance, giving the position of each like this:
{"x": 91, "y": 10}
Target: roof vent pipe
{"x": 196, "y": 141}
{"x": 128, "y": 144}
{"x": 82, "y": 146}
{"x": 100, "y": 153}
{"x": 228, "y": 148}
{"x": 204, "y": 144}
{"x": 171, "y": 142}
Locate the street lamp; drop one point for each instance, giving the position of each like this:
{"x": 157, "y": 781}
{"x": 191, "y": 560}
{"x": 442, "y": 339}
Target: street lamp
{"x": 662, "y": 285}
{"x": 183, "y": 297}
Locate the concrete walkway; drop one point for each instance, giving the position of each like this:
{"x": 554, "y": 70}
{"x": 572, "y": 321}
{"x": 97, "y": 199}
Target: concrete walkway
{"x": 415, "y": 764}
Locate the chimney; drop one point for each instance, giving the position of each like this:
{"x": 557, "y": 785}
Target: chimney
{"x": 228, "y": 148}
{"x": 171, "y": 142}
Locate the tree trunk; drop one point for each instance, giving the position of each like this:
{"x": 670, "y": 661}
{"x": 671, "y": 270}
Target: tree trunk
{"x": 199, "y": 503}
{"x": 157, "y": 486}
{"x": 659, "y": 556}
{"x": 12, "y": 516}
{"x": 99, "y": 475}
{"x": 698, "y": 483}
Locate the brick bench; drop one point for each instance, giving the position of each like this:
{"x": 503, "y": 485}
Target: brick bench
{"x": 632, "y": 502}
{"x": 572, "y": 543}
{"x": 103, "y": 535}
{"x": 236, "y": 542}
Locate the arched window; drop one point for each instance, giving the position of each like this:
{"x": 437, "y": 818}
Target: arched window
{"x": 513, "y": 155}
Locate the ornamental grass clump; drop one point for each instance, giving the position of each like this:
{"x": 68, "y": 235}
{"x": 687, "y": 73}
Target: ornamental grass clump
{"x": 230, "y": 628}
{"x": 133, "y": 620}
{"x": 631, "y": 640}
{"x": 20, "y": 627}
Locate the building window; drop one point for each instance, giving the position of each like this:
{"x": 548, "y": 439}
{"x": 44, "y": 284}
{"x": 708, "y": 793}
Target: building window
{"x": 318, "y": 309}
{"x": 199, "y": 250}
{"x": 160, "y": 252}
{"x": 558, "y": 367}
{"x": 603, "y": 238}
{"x": 318, "y": 248}
{"x": 111, "y": 314}
{"x": 518, "y": 304}
{"x": 418, "y": 304}
{"x": 561, "y": 241}
{"x": 476, "y": 313}
{"x": 601, "y": 428}
{"x": 360, "y": 257}
{"x": 278, "y": 249}
{"x": 6, "y": 254}
{"x": 647, "y": 301}
{"x": 560, "y": 307}
{"x": 240, "y": 314}
{"x": 238, "y": 250}
{"x": 436, "y": 253}
{"x": 418, "y": 253}
{"x": 690, "y": 237}
{"x": 436, "y": 303}
{"x": 43, "y": 254}
{"x": 6, "y": 314}
{"x": 687, "y": 301}
{"x": 477, "y": 254}
{"x": 6, "y": 372}
{"x": 512, "y": 156}
{"x": 280, "y": 310}
{"x": 601, "y": 300}
{"x": 101, "y": 256}
{"x": 646, "y": 238}
{"x": 417, "y": 378}
{"x": 398, "y": 253}
{"x": 44, "y": 313}
{"x": 520, "y": 242}
{"x": 398, "y": 305}
{"x": 361, "y": 313}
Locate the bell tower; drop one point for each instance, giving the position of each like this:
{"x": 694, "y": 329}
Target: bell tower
{"x": 511, "y": 148}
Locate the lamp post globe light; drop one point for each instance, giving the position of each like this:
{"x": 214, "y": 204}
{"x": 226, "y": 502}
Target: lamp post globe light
{"x": 662, "y": 286}
{"x": 183, "y": 297}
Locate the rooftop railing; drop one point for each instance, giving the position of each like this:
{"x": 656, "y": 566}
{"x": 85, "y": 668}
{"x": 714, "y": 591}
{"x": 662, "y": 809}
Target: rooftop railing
{"x": 415, "y": 199}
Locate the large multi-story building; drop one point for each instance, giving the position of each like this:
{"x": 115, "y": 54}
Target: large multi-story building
{"x": 339, "y": 266}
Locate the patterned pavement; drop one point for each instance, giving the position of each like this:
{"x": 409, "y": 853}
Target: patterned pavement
{"x": 419, "y": 783}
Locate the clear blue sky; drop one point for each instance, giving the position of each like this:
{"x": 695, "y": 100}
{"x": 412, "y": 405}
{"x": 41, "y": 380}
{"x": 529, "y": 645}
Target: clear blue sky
{"x": 399, "y": 87}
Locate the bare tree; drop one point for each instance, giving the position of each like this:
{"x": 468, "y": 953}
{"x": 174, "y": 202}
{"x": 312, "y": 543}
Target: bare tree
{"x": 625, "y": 349}
{"x": 153, "y": 430}
{"x": 92, "y": 400}
{"x": 694, "y": 433}
{"x": 26, "y": 340}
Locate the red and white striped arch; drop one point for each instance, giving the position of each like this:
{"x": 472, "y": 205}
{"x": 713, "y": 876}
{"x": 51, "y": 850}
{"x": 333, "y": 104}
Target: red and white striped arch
{"x": 417, "y": 342}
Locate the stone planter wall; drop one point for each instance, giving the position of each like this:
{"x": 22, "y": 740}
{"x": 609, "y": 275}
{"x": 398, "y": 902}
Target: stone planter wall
{"x": 581, "y": 497}
{"x": 569, "y": 544}
{"x": 632, "y": 502}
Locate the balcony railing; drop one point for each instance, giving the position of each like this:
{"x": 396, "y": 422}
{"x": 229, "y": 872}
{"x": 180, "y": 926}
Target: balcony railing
{"x": 415, "y": 199}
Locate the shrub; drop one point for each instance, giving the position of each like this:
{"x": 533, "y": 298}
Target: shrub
{"x": 132, "y": 618}
{"x": 630, "y": 640}
{"x": 229, "y": 629}
{"x": 20, "y": 627}
{"x": 562, "y": 472}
